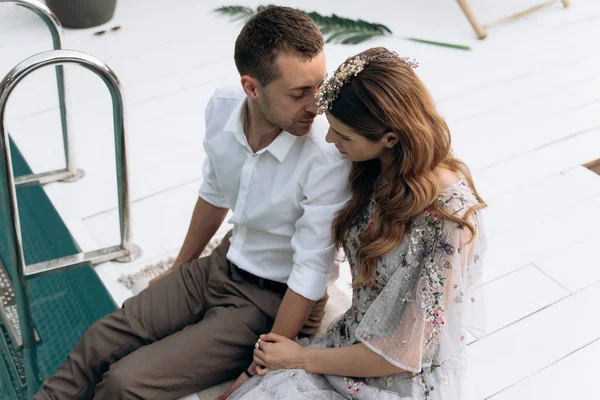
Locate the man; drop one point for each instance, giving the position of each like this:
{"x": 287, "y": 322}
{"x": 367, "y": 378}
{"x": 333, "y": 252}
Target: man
{"x": 196, "y": 325}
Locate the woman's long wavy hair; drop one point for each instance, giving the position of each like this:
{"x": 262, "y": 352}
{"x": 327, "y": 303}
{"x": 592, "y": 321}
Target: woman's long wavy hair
{"x": 389, "y": 97}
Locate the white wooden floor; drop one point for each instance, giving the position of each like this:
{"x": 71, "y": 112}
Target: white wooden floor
{"x": 523, "y": 106}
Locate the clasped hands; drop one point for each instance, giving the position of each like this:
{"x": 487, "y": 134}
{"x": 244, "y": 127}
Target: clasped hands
{"x": 271, "y": 352}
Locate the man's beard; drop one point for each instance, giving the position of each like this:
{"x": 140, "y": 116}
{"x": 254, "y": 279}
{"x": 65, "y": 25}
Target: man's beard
{"x": 293, "y": 127}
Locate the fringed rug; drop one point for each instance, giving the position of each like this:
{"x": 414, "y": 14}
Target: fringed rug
{"x": 138, "y": 281}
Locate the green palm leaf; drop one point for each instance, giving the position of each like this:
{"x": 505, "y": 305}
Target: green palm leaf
{"x": 335, "y": 29}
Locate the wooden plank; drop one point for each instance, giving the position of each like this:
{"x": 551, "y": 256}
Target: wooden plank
{"x": 552, "y": 382}
{"x": 522, "y": 349}
{"x": 593, "y": 166}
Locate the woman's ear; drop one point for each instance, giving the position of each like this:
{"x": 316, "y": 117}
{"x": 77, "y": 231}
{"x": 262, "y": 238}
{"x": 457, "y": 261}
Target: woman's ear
{"x": 390, "y": 139}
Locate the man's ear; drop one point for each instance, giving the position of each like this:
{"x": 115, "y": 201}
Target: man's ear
{"x": 250, "y": 86}
{"x": 390, "y": 139}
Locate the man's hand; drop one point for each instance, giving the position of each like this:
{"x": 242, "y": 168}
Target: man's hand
{"x": 167, "y": 272}
{"x": 238, "y": 382}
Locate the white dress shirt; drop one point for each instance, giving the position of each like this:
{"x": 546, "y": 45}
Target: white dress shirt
{"x": 283, "y": 197}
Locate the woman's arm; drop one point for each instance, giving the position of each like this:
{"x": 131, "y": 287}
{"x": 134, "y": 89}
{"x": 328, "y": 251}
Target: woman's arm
{"x": 355, "y": 360}
{"x": 278, "y": 352}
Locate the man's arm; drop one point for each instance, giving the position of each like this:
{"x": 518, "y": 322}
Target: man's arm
{"x": 325, "y": 193}
{"x": 293, "y": 313}
{"x": 205, "y": 222}
{"x": 206, "y": 219}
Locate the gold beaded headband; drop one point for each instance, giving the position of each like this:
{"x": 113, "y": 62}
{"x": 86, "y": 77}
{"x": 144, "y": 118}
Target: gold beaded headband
{"x": 330, "y": 89}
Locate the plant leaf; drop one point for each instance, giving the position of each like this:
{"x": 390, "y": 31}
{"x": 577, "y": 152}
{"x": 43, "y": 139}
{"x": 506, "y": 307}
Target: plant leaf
{"x": 334, "y": 28}
{"x": 336, "y": 36}
{"x": 355, "y": 39}
{"x": 337, "y": 29}
{"x": 442, "y": 44}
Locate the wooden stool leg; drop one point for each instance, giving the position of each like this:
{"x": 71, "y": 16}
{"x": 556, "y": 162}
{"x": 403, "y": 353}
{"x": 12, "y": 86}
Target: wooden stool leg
{"x": 565, "y": 3}
{"x": 479, "y": 30}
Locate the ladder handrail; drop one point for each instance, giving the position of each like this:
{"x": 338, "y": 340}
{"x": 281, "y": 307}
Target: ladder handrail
{"x": 126, "y": 251}
{"x": 70, "y": 173}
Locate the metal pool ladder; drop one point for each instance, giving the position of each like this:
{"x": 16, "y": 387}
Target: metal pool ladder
{"x": 70, "y": 173}
{"x": 126, "y": 251}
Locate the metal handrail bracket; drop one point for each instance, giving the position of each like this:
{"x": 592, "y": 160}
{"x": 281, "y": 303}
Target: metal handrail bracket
{"x": 124, "y": 252}
{"x": 70, "y": 173}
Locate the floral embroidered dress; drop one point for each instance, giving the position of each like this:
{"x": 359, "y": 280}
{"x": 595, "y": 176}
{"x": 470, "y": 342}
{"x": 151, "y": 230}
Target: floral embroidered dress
{"x": 415, "y": 314}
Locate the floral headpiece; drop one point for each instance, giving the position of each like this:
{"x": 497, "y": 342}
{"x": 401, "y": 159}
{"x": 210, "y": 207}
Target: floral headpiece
{"x": 330, "y": 89}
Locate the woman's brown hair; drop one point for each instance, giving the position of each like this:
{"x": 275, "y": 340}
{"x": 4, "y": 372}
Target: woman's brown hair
{"x": 389, "y": 97}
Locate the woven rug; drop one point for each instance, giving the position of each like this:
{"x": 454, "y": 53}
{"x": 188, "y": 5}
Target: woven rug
{"x": 138, "y": 281}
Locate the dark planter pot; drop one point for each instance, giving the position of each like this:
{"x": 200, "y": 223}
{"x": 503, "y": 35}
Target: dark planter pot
{"x": 79, "y": 14}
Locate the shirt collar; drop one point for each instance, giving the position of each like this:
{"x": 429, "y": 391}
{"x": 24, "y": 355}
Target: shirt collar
{"x": 279, "y": 148}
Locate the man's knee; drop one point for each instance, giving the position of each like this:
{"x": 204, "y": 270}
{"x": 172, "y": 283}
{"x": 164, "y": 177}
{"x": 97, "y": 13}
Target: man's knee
{"x": 111, "y": 338}
{"x": 103, "y": 328}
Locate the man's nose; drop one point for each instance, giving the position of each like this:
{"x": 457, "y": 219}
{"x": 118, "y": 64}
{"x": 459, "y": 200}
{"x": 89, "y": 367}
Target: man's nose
{"x": 311, "y": 106}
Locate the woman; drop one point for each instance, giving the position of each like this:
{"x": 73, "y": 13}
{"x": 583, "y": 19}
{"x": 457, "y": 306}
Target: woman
{"x": 413, "y": 237}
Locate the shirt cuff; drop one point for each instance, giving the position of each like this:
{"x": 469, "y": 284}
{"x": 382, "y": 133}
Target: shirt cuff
{"x": 308, "y": 283}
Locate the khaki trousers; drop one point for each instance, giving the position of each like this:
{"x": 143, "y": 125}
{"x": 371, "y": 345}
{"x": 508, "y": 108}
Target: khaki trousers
{"x": 191, "y": 330}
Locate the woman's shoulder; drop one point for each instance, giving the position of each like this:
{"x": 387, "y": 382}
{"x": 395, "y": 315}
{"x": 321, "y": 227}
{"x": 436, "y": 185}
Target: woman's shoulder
{"x": 456, "y": 199}
{"x": 456, "y": 192}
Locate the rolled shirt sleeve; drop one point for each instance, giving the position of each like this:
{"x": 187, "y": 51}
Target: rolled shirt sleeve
{"x": 325, "y": 193}
{"x": 209, "y": 190}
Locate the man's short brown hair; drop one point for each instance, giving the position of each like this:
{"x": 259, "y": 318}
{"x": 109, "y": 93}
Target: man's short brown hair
{"x": 270, "y": 31}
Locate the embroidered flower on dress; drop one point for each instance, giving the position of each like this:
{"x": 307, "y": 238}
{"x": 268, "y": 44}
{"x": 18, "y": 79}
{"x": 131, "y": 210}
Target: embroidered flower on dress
{"x": 353, "y": 386}
{"x": 445, "y": 243}
{"x": 459, "y": 299}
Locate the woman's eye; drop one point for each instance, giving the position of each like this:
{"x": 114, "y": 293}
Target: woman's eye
{"x": 299, "y": 97}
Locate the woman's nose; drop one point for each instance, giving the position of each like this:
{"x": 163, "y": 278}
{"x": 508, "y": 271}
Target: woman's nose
{"x": 330, "y": 138}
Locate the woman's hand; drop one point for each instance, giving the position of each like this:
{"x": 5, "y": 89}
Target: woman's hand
{"x": 277, "y": 352}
